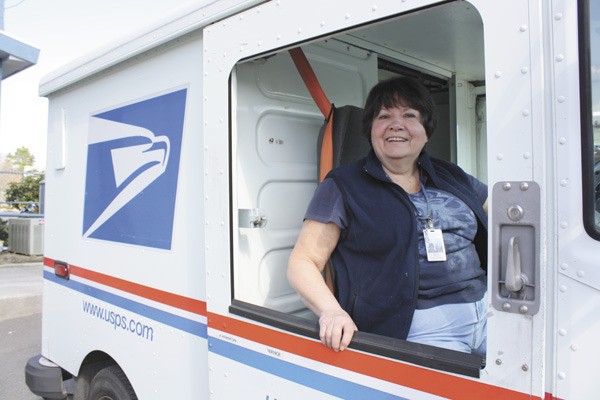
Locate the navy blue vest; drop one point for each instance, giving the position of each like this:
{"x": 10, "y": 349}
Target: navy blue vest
{"x": 376, "y": 260}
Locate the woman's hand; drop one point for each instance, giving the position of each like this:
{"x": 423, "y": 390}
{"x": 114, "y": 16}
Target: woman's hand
{"x": 312, "y": 251}
{"x": 336, "y": 329}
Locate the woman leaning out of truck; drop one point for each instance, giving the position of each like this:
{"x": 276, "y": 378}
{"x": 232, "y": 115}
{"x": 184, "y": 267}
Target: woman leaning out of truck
{"x": 406, "y": 234}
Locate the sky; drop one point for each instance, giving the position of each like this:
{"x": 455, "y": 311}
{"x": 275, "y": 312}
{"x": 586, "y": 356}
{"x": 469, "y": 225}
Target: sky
{"x": 63, "y": 30}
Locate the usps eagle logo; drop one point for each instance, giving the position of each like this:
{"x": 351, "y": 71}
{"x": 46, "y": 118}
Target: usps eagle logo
{"x": 132, "y": 169}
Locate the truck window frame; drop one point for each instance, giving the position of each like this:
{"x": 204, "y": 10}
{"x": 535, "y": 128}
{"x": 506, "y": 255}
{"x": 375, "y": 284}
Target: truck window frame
{"x": 591, "y": 216}
{"x": 437, "y": 358}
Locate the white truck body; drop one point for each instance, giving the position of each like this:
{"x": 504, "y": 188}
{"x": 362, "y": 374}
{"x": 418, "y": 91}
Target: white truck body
{"x": 169, "y": 150}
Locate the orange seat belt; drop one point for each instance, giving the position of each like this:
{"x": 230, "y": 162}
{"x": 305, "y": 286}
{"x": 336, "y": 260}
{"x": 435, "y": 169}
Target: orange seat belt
{"x": 318, "y": 95}
{"x": 327, "y": 109}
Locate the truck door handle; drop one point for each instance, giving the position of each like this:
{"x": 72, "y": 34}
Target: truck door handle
{"x": 513, "y": 281}
{"x": 516, "y": 265}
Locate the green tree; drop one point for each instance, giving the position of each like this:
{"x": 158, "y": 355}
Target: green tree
{"x": 21, "y": 159}
{"x": 3, "y": 230}
{"x": 28, "y": 190}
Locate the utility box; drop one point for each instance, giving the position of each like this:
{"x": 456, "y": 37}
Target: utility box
{"x": 26, "y": 236}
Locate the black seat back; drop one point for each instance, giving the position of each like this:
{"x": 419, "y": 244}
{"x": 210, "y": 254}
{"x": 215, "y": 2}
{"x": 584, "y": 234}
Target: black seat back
{"x": 349, "y": 143}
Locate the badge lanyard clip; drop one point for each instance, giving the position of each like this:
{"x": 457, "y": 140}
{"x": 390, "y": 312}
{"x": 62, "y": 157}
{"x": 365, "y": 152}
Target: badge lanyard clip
{"x": 434, "y": 238}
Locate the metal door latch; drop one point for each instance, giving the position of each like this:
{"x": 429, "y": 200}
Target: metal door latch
{"x": 252, "y": 218}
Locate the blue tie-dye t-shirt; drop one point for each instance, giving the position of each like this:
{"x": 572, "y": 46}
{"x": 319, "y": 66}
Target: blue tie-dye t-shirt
{"x": 460, "y": 278}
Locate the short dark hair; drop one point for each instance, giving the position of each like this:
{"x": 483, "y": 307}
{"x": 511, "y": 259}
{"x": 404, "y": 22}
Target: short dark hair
{"x": 400, "y": 91}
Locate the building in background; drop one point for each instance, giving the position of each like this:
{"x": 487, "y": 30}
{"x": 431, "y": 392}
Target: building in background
{"x": 15, "y": 55}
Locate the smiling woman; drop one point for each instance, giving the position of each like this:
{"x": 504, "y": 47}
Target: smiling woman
{"x": 400, "y": 117}
{"x": 369, "y": 217}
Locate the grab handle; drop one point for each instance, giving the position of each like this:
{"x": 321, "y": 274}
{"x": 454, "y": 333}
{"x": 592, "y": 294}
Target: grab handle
{"x": 513, "y": 281}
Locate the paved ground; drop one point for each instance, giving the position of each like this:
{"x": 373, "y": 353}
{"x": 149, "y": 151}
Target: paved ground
{"x": 19, "y": 340}
{"x": 7, "y": 257}
{"x": 20, "y": 321}
{"x": 20, "y": 290}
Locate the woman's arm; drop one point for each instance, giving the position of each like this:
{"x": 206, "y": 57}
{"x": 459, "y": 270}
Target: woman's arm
{"x": 315, "y": 244}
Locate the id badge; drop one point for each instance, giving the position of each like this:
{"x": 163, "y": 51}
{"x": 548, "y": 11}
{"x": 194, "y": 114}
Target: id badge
{"x": 434, "y": 244}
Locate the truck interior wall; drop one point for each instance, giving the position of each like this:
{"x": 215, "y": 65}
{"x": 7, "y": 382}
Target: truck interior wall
{"x": 276, "y": 158}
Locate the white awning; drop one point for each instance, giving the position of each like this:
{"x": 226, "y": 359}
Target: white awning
{"x": 15, "y": 55}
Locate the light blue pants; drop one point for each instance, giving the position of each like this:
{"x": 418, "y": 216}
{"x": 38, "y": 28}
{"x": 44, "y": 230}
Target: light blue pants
{"x": 460, "y": 327}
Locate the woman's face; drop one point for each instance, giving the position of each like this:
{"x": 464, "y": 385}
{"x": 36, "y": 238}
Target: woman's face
{"x": 397, "y": 133}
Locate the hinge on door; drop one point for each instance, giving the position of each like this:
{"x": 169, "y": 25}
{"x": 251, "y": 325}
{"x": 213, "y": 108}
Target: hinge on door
{"x": 252, "y": 218}
{"x": 516, "y": 247}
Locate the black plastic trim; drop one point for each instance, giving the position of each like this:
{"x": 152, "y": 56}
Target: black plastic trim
{"x": 414, "y": 353}
{"x": 44, "y": 381}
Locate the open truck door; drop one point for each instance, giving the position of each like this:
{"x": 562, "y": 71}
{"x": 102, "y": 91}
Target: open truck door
{"x": 264, "y": 126}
